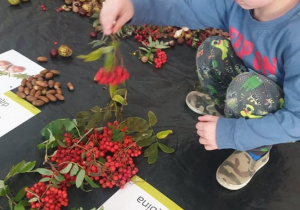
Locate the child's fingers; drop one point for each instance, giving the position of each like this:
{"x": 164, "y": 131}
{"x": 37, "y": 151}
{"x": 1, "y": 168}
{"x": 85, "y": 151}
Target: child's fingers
{"x": 208, "y": 118}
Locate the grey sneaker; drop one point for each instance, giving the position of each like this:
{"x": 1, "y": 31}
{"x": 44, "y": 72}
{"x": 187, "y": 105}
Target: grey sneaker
{"x": 201, "y": 103}
{"x": 238, "y": 169}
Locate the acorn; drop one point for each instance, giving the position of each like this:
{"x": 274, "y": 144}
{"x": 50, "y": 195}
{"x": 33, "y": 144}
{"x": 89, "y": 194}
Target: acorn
{"x": 180, "y": 40}
{"x": 93, "y": 34}
{"x": 172, "y": 43}
{"x": 144, "y": 59}
{"x": 53, "y": 53}
{"x": 65, "y": 51}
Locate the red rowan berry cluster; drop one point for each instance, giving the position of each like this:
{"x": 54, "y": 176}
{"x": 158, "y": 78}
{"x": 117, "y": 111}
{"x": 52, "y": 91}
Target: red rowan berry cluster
{"x": 143, "y": 33}
{"x": 161, "y": 58}
{"x": 114, "y": 77}
{"x": 106, "y": 156}
{"x": 50, "y": 198}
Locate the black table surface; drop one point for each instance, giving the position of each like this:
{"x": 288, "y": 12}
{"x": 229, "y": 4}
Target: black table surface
{"x": 187, "y": 176}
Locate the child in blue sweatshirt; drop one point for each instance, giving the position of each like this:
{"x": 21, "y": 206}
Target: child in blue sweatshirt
{"x": 253, "y": 78}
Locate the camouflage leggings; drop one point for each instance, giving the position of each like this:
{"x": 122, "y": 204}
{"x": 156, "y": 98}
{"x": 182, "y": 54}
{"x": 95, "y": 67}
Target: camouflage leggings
{"x": 233, "y": 88}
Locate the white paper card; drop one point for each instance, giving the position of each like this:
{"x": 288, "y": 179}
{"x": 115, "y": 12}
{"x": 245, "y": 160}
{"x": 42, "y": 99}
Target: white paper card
{"x": 13, "y": 113}
{"x": 19, "y": 67}
{"x": 135, "y": 196}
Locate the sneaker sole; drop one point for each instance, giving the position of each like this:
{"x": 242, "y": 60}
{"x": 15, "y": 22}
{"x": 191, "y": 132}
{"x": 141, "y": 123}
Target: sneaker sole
{"x": 237, "y": 187}
{"x": 197, "y": 110}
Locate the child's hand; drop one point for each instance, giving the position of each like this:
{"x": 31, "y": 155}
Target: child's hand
{"x": 206, "y": 129}
{"x": 114, "y": 14}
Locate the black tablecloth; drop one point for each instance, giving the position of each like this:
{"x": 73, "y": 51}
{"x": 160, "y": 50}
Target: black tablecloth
{"x": 187, "y": 176}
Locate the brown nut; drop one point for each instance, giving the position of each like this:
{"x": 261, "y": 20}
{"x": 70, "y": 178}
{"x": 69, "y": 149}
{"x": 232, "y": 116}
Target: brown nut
{"x": 38, "y": 103}
{"x": 50, "y": 83}
{"x": 55, "y": 72}
{"x": 38, "y": 93}
{"x": 21, "y": 94}
{"x": 28, "y": 84}
{"x": 26, "y": 90}
{"x": 32, "y": 92}
{"x": 44, "y": 98}
{"x": 21, "y": 88}
{"x": 30, "y": 78}
{"x": 42, "y": 83}
{"x": 49, "y": 75}
{"x": 52, "y": 92}
{"x": 37, "y": 87}
{"x": 31, "y": 98}
{"x": 23, "y": 83}
{"x": 57, "y": 85}
{"x": 59, "y": 97}
{"x": 70, "y": 86}
{"x": 40, "y": 79}
{"x": 43, "y": 72}
{"x": 51, "y": 97}
{"x": 42, "y": 59}
{"x": 33, "y": 81}
{"x": 59, "y": 91}
{"x": 38, "y": 75}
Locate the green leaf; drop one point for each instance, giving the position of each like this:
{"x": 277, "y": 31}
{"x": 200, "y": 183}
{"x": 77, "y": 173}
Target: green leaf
{"x": 94, "y": 120}
{"x": 57, "y": 128}
{"x": 143, "y": 135}
{"x": 2, "y": 192}
{"x": 2, "y": 184}
{"x": 93, "y": 56}
{"x": 112, "y": 89}
{"x": 101, "y": 208}
{"x": 135, "y": 124}
{"x": 80, "y": 178}
{"x": 109, "y": 61}
{"x": 119, "y": 99}
{"x": 145, "y": 49}
{"x": 163, "y": 134}
{"x": 60, "y": 143}
{"x": 24, "y": 203}
{"x": 45, "y": 179}
{"x": 152, "y": 118}
{"x": 44, "y": 171}
{"x": 10, "y": 204}
{"x": 91, "y": 183}
{"x": 19, "y": 207}
{"x": 95, "y": 22}
{"x": 146, "y": 142}
{"x": 59, "y": 177}
{"x": 19, "y": 195}
{"x": 161, "y": 46}
{"x": 152, "y": 153}
{"x": 33, "y": 199}
{"x": 96, "y": 109}
{"x": 66, "y": 169}
{"x": 74, "y": 170}
{"x": 95, "y": 15}
{"x": 27, "y": 167}
{"x": 107, "y": 116}
{"x": 165, "y": 148}
{"x": 121, "y": 92}
{"x": 15, "y": 169}
{"x": 150, "y": 39}
{"x": 7, "y": 189}
{"x": 118, "y": 137}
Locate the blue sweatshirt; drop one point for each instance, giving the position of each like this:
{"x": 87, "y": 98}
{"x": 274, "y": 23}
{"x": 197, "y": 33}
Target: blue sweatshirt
{"x": 271, "y": 48}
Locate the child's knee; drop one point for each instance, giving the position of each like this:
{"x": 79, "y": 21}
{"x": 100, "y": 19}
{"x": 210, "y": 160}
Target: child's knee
{"x": 252, "y": 95}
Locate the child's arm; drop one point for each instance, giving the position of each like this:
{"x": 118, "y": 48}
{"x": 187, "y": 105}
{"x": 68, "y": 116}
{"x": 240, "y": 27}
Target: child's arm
{"x": 195, "y": 14}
